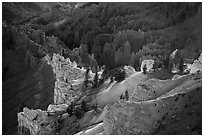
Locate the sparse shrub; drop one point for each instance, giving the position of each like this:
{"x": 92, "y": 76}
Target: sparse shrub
{"x": 79, "y": 112}
{"x": 181, "y": 62}
{"x": 86, "y": 81}
{"x": 144, "y": 69}
{"x": 126, "y": 95}
{"x": 96, "y": 79}
{"x": 70, "y": 109}
{"x": 120, "y": 76}
{"x": 84, "y": 106}
{"x": 111, "y": 78}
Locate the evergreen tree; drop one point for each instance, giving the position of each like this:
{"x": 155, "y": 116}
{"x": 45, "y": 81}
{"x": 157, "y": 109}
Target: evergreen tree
{"x": 96, "y": 79}
{"x": 79, "y": 112}
{"x": 144, "y": 69}
{"x": 95, "y": 107}
{"x": 84, "y": 106}
{"x": 111, "y": 78}
{"x": 126, "y": 95}
{"x": 120, "y": 76}
{"x": 101, "y": 80}
{"x": 86, "y": 77}
{"x": 181, "y": 62}
{"x": 66, "y": 80}
{"x": 121, "y": 96}
{"x": 154, "y": 66}
{"x": 71, "y": 87}
{"x": 70, "y": 109}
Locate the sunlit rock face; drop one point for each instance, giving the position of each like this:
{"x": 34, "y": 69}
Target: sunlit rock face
{"x": 149, "y": 65}
{"x": 197, "y": 65}
{"x": 68, "y": 86}
{"x": 178, "y": 111}
{"x": 54, "y": 121}
{"x": 129, "y": 70}
{"x": 69, "y": 82}
{"x": 36, "y": 122}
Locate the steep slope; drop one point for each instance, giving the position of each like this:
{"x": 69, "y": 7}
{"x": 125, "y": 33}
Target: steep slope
{"x": 176, "y": 112}
{"x": 15, "y": 11}
{"x": 114, "y": 91}
{"x": 156, "y": 107}
{"x": 28, "y": 79}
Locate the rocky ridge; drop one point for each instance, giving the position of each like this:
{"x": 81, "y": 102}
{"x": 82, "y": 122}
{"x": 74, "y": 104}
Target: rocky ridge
{"x": 156, "y": 107}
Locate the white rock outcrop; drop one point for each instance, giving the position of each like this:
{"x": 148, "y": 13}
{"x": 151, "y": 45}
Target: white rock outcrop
{"x": 197, "y": 65}
{"x": 149, "y": 64}
{"x": 69, "y": 79}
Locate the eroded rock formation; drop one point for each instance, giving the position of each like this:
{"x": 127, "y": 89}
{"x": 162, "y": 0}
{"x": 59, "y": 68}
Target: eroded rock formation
{"x": 171, "y": 106}
{"x": 197, "y": 65}
{"x": 24, "y": 61}
{"x": 69, "y": 82}
{"x": 149, "y": 65}
{"x": 178, "y": 111}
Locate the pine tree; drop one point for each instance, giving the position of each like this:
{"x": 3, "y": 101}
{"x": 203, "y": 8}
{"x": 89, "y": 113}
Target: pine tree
{"x": 120, "y": 76}
{"x": 126, "y": 95}
{"x": 111, "y": 78}
{"x": 154, "y": 66}
{"x": 181, "y": 62}
{"x": 101, "y": 80}
{"x": 96, "y": 79}
{"x": 121, "y": 96}
{"x": 79, "y": 112}
{"x": 70, "y": 109}
{"x": 144, "y": 69}
{"x": 84, "y": 106}
{"x": 86, "y": 77}
{"x": 71, "y": 87}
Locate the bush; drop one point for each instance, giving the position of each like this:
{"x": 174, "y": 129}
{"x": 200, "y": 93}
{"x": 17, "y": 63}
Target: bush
{"x": 181, "y": 63}
{"x": 144, "y": 69}
{"x": 120, "y": 76}
{"x": 96, "y": 79}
